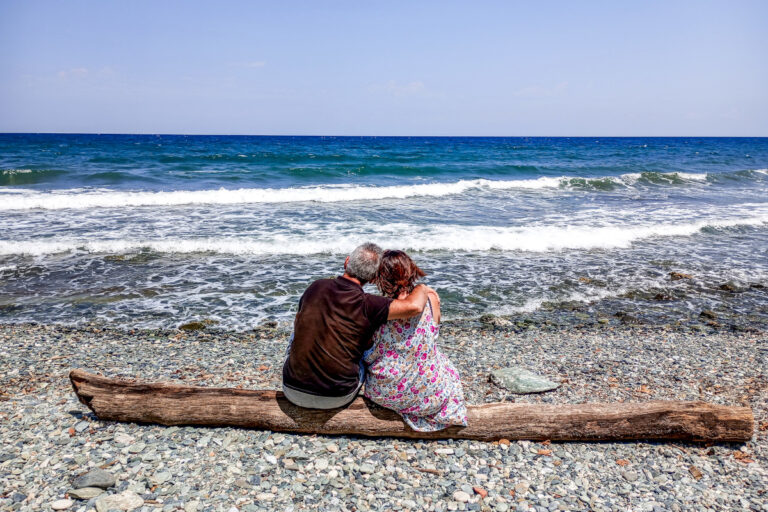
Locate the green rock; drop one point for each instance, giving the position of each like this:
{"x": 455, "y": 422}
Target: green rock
{"x": 521, "y": 381}
{"x": 192, "y": 326}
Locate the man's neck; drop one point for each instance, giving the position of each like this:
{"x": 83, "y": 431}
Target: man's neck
{"x": 353, "y": 279}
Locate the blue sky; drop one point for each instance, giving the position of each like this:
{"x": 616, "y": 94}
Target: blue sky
{"x": 385, "y": 68}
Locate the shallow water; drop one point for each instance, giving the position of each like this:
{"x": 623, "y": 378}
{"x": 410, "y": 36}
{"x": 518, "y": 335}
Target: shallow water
{"x": 152, "y": 231}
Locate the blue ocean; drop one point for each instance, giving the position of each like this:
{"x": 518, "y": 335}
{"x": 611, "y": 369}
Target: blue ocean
{"x": 156, "y": 230}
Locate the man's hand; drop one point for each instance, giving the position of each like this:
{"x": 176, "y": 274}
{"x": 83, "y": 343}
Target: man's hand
{"x": 410, "y": 306}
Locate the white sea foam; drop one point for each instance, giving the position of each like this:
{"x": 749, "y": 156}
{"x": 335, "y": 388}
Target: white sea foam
{"x": 693, "y": 176}
{"x": 634, "y": 177}
{"x": 337, "y": 239}
{"x": 106, "y": 198}
{"x": 16, "y": 191}
{"x": 532, "y": 305}
{"x": 10, "y": 172}
{"x": 79, "y": 199}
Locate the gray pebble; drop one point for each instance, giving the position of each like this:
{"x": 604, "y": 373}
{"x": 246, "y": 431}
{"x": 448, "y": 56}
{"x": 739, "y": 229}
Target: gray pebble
{"x": 94, "y": 478}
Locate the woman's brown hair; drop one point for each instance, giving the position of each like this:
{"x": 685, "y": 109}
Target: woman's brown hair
{"x": 397, "y": 273}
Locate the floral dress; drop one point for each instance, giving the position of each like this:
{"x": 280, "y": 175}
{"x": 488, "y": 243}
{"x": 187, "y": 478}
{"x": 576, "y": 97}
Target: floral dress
{"x": 408, "y": 373}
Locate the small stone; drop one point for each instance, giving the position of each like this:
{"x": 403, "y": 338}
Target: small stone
{"x": 127, "y": 500}
{"x": 695, "y": 472}
{"x": 137, "y": 448}
{"x": 85, "y": 493}
{"x": 265, "y": 496}
{"x": 461, "y": 496}
{"x": 297, "y": 454}
{"x": 95, "y": 478}
{"x": 479, "y": 490}
{"x": 122, "y": 438}
{"x": 270, "y": 458}
{"x": 62, "y": 504}
{"x": 321, "y": 464}
{"x": 521, "y": 381}
{"x": 629, "y": 476}
{"x": 332, "y": 448}
{"x": 81, "y": 426}
{"x": 367, "y": 468}
{"x": 522, "y": 487}
{"x": 494, "y": 321}
{"x": 192, "y": 506}
{"x": 161, "y": 477}
{"x": 444, "y": 451}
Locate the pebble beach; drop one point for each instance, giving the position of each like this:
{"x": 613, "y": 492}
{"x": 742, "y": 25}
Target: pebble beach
{"x": 49, "y": 439}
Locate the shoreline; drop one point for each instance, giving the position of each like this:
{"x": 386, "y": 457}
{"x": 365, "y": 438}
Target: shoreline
{"x": 48, "y": 437}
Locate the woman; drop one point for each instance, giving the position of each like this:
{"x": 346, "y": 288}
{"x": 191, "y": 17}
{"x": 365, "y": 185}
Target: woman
{"x": 406, "y": 371}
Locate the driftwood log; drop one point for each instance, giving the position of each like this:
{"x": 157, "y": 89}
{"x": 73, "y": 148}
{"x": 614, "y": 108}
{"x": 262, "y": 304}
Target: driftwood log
{"x": 171, "y": 404}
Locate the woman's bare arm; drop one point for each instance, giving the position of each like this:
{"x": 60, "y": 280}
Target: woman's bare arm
{"x": 434, "y": 299}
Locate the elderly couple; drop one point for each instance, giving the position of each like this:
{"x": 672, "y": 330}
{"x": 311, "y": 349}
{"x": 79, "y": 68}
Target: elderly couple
{"x": 344, "y": 338}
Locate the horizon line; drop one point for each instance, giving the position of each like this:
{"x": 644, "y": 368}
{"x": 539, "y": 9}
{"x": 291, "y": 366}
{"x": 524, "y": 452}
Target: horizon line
{"x": 393, "y": 136}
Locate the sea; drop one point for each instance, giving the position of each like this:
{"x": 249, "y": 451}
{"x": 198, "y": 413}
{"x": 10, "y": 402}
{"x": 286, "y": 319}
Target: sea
{"x": 152, "y": 231}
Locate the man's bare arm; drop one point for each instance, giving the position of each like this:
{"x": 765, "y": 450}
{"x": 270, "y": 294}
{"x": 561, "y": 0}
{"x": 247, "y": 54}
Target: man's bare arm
{"x": 410, "y": 306}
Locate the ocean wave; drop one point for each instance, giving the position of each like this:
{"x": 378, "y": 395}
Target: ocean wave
{"x": 104, "y": 198}
{"x": 11, "y": 172}
{"x": 107, "y": 198}
{"x": 531, "y": 305}
{"x": 27, "y": 176}
{"x": 332, "y": 240}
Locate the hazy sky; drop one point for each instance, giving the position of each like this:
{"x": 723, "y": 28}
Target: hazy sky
{"x": 385, "y": 68}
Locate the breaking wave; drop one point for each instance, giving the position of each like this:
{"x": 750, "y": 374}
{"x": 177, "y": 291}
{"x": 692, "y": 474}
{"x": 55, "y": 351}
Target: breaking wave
{"x": 106, "y": 198}
{"x": 337, "y": 239}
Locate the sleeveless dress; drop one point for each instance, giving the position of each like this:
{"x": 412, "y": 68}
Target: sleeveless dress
{"x": 408, "y": 373}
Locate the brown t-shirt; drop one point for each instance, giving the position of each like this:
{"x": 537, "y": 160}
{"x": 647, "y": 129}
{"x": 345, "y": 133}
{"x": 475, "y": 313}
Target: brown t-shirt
{"x": 333, "y": 327}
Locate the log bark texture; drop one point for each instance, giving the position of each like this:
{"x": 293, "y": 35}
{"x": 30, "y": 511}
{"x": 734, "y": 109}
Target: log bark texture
{"x": 170, "y": 404}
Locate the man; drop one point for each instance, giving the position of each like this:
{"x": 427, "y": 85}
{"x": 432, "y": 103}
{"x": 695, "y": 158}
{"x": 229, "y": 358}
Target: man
{"x": 334, "y": 326}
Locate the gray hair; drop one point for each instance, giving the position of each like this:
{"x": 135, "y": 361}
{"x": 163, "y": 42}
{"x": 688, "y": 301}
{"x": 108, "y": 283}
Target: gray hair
{"x": 364, "y": 262}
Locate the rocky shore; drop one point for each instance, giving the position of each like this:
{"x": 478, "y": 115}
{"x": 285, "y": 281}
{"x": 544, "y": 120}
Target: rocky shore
{"x": 56, "y": 456}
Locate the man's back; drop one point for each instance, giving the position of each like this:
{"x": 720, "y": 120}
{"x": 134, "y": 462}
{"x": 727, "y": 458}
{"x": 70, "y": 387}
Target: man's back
{"x": 333, "y": 328}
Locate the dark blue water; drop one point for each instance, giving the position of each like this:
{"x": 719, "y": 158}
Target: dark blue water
{"x": 145, "y": 230}
{"x": 172, "y": 162}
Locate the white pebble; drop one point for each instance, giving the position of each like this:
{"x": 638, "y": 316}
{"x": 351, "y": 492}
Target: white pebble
{"x": 461, "y": 496}
{"x": 62, "y": 504}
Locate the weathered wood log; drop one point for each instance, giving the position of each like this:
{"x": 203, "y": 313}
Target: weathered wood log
{"x": 171, "y": 404}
